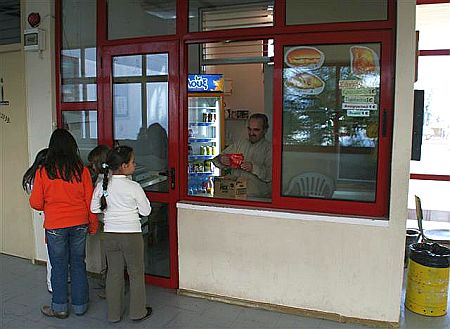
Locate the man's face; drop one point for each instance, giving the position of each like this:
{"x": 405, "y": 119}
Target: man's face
{"x": 255, "y": 129}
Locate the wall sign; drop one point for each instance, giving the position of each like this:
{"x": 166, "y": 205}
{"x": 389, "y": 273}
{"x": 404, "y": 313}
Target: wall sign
{"x": 205, "y": 83}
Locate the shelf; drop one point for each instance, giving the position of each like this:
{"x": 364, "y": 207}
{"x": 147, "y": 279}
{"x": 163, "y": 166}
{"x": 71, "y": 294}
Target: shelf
{"x": 201, "y": 140}
{"x": 202, "y": 124}
{"x": 210, "y": 173}
{"x": 200, "y": 157}
{"x": 202, "y": 108}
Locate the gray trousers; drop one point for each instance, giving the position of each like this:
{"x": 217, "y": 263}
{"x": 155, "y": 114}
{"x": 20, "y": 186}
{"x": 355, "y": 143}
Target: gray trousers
{"x": 125, "y": 249}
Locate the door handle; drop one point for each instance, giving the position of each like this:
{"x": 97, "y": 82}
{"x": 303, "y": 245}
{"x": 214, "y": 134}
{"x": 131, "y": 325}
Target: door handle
{"x": 172, "y": 178}
{"x": 171, "y": 175}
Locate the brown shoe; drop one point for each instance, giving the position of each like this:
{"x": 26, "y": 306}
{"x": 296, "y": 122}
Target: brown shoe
{"x": 147, "y": 315}
{"x": 47, "y": 311}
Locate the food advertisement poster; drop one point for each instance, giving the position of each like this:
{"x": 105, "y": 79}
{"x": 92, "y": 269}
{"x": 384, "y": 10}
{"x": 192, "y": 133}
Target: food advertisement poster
{"x": 331, "y": 93}
{"x": 359, "y": 93}
{"x": 301, "y": 79}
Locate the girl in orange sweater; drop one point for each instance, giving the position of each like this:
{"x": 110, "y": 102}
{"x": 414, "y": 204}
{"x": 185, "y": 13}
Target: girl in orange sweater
{"x": 63, "y": 190}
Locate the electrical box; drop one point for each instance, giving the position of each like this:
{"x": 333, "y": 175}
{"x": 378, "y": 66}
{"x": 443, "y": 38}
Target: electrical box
{"x": 34, "y": 39}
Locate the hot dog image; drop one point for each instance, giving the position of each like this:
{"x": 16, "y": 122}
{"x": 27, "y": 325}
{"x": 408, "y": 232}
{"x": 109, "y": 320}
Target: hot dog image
{"x": 364, "y": 60}
{"x": 306, "y": 83}
{"x": 304, "y": 57}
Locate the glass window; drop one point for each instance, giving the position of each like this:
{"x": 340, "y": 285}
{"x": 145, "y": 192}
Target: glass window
{"x": 434, "y": 200}
{"x": 330, "y": 121}
{"x": 78, "y": 51}
{"x": 334, "y": 11}
{"x": 155, "y": 229}
{"x": 433, "y": 22}
{"x": 219, "y": 129}
{"x": 140, "y": 114}
{"x": 433, "y": 79}
{"x": 9, "y": 22}
{"x": 212, "y": 15}
{"x": 83, "y": 126}
{"x": 140, "y": 18}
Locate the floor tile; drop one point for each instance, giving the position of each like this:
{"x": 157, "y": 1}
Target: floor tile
{"x": 23, "y": 291}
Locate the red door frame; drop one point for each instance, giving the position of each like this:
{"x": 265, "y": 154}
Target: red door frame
{"x": 172, "y": 197}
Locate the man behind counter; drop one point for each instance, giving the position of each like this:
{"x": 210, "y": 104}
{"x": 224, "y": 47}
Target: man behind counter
{"x": 257, "y": 164}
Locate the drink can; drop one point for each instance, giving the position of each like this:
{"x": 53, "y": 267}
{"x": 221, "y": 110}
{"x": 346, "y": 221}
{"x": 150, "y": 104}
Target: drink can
{"x": 202, "y": 150}
{"x": 205, "y": 117}
{"x": 213, "y": 150}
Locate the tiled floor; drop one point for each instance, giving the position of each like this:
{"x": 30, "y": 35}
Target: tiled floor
{"x": 23, "y": 291}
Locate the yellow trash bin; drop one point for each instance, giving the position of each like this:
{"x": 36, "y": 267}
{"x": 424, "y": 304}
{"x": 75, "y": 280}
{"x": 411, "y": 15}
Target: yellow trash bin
{"x": 428, "y": 278}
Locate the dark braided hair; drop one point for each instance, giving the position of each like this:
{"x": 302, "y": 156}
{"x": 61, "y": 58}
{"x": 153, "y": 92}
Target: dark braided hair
{"x": 28, "y": 177}
{"x": 63, "y": 158}
{"x": 115, "y": 158}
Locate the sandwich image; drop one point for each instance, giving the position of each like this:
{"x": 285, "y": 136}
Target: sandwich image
{"x": 363, "y": 60}
{"x": 304, "y": 57}
{"x": 306, "y": 83}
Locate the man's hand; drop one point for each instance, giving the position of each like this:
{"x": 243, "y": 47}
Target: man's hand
{"x": 247, "y": 166}
{"x": 224, "y": 160}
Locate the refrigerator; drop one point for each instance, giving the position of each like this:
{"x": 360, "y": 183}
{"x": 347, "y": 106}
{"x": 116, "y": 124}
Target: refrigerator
{"x": 205, "y": 131}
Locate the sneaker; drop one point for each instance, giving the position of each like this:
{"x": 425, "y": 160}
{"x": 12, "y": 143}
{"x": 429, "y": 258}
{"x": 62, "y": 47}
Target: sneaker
{"x": 47, "y": 311}
{"x": 147, "y": 315}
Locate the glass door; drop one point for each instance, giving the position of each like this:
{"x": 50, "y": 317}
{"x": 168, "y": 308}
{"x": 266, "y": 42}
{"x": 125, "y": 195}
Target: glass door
{"x": 140, "y": 105}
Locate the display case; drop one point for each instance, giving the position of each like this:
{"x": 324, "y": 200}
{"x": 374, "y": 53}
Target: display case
{"x": 205, "y": 126}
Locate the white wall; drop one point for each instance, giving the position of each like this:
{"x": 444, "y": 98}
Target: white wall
{"x": 349, "y": 266}
{"x": 40, "y": 93}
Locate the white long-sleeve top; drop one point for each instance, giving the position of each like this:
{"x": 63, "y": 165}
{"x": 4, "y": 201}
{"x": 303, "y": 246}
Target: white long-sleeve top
{"x": 125, "y": 201}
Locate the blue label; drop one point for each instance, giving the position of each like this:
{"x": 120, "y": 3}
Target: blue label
{"x": 205, "y": 82}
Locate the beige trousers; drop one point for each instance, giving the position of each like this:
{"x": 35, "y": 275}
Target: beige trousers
{"x": 125, "y": 249}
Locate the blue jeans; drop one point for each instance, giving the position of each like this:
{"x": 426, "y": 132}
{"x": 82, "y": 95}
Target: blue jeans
{"x": 67, "y": 250}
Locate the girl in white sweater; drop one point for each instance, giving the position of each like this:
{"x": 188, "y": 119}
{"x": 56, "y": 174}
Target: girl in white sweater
{"x": 122, "y": 200}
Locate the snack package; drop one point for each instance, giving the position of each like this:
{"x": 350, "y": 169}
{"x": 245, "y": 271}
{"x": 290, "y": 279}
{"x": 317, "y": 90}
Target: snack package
{"x": 235, "y": 159}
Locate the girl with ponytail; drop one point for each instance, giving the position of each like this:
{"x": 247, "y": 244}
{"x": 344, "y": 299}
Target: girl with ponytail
{"x": 122, "y": 200}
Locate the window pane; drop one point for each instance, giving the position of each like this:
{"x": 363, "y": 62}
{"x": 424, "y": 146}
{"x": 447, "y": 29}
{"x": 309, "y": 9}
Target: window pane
{"x": 78, "y": 52}
{"x": 433, "y": 79}
{"x": 140, "y": 18}
{"x": 83, "y": 126}
{"x": 155, "y": 229}
{"x": 157, "y": 64}
{"x": 434, "y": 197}
{"x": 9, "y": 22}
{"x": 433, "y": 23}
{"x": 334, "y": 11}
{"x": 232, "y": 14}
{"x": 140, "y": 115}
{"x": 126, "y": 66}
{"x": 214, "y": 131}
{"x": 330, "y": 121}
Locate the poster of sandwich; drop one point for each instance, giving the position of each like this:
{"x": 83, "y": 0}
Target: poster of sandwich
{"x": 301, "y": 80}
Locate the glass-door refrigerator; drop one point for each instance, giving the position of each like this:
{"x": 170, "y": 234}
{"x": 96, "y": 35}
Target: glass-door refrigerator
{"x": 205, "y": 131}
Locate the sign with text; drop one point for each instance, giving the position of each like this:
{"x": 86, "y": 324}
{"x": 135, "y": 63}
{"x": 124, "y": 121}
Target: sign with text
{"x": 205, "y": 83}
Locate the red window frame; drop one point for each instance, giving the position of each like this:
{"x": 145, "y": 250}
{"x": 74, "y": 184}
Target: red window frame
{"x": 380, "y": 206}
{"x": 356, "y": 31}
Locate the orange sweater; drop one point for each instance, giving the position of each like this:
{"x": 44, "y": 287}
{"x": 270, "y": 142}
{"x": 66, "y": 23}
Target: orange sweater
{"x": 65, "y": 204}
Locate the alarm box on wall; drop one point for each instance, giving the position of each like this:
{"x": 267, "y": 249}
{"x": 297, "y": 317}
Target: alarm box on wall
{"x": 34, "y": 39}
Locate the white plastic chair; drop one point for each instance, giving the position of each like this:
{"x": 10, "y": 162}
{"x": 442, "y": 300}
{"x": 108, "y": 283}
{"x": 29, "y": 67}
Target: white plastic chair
{"x": 311, "y": 184}
{"x": 441, "y": 236}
